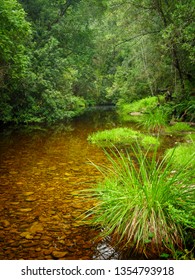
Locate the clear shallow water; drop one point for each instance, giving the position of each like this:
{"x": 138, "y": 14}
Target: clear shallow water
{"x": 41, "y": 171}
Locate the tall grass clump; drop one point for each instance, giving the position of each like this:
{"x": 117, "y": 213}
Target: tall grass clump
{"x": 142, "y": 203}
{"x": 155, "y": 120}
{"x": 142, "y": 105}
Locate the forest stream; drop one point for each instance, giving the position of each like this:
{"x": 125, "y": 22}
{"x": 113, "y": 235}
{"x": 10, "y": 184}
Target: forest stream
{"x": 41, "y": 172}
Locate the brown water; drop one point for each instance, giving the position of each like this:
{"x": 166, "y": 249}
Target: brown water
{"x": 41, "y": 171}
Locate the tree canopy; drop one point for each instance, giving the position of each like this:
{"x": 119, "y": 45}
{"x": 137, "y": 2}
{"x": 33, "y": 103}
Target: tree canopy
{"x": 58, "y": 57}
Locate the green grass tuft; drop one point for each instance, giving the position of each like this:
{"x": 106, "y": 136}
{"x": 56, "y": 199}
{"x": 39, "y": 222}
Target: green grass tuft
{"x": 180, "y": 126}
{"x": 142, "y": 106}
{"x": 190, "y": 138}
{"x": 142, "y": 203}
{"x": 155, "y": 120}
{"x": 182, "y": 154}
{"x": 122, "y": 136}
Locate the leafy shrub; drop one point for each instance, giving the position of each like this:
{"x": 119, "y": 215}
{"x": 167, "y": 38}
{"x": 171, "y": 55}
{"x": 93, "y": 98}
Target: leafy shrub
{"x": 185, "y": 110}
{"x": 142, "y": 204}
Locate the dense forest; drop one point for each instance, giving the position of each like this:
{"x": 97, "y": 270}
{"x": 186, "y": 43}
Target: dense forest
{"x": 111, "y": 182}
{"x": 59, "y": 57}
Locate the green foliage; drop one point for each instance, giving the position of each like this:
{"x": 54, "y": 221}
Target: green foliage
{"x": 184, "y": 110}
{"x": 122, "y": 136}
{"x": 47, "y": 79}
{"x": 183, "y": 154}
{"x": 54, "y": 106}
{"x": 125, "y": 52}
{"x": 179, "y": 127}
{"x": 148, "y": 142}
{"x": 151, "y": 45}
{"x": 190, "y": 138}
{"x": 141, "y": 105}
{"x": 142, "y": 204}
{"x": 15, "y": 32}
{"x": 155, "y": 120}
{"x": 153, "y": 116}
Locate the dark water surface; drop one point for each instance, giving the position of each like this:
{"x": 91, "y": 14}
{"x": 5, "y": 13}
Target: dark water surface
{"x": 41, "y": 171}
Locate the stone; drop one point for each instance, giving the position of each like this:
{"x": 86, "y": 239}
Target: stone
{"x": 5, "y": 223}
{"x": 29, "y": 244}
{"x": 36, "y": 227}
{"x": 47, "y": 252}
{"x": 13, "y": 172}
{"x": 45, "y": 243}
{"x": 58, "y": 254}
{"x": 27, "y": 235}
{"x": 28, "y": 193}
{"x": 67, "y": 174}
{"x": 135, "y": 113}
{"x": 45, "y": 237}
{"x": 50, "y": 189}
{"x": 25, "y": 209}
{"x": 14, "y": 203}
{"x": 38, "y": 249}
{"x": 52, "y": 168}
{"x": 37, "y": 237}
{"x": 43, "y": 219}
{"x": 30, "y": 199}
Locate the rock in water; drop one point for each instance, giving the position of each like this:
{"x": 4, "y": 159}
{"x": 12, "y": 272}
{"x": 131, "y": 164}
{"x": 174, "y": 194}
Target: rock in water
{"x": 58, "y": 254}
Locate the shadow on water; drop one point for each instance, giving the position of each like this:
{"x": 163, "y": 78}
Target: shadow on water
{"x": 41, "y": 171}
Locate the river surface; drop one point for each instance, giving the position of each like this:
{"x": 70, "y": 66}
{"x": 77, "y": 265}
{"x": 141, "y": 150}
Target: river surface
{"x": 41, "y": 172}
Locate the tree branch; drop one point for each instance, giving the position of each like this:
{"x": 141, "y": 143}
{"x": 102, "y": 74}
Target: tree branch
{"x": 61, "y": 13}
{"x": 137, "y": 36}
